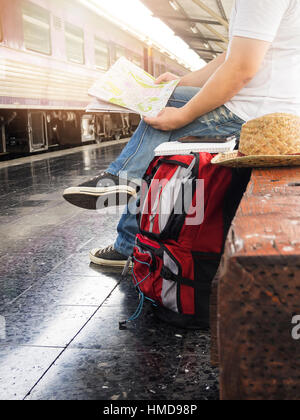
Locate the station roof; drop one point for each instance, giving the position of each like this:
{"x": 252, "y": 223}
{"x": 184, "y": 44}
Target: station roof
{"x": 202, "y": 24}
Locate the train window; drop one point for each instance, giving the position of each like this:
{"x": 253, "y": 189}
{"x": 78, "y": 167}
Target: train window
{"x": 137, "y": 60}
{"x": 120, "y": 52}
{"x": 74, "y": 43}
{"x": 36, "y": 26}
{"x": 157, "y": 70}
{"x": 101, "y": 54}
{"x": 1, "y": 27}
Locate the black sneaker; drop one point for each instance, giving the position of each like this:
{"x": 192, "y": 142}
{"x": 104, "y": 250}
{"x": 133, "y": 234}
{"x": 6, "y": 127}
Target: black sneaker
{"x": 108, "y": 257}
{"x": 101, "y": 192}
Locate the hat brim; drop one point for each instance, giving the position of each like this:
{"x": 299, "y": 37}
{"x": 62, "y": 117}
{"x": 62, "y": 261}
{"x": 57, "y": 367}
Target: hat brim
{"x": 233, "y": 160}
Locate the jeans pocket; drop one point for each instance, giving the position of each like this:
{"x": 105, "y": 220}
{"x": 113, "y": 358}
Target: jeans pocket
{"x": 229, "y": 128}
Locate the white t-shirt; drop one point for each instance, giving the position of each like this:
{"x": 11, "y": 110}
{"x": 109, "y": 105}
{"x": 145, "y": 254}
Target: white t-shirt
{"x": 276, "y": 87}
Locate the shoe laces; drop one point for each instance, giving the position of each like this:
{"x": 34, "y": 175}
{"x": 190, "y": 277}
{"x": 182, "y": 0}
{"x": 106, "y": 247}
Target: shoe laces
{"x": 107, "y": 249}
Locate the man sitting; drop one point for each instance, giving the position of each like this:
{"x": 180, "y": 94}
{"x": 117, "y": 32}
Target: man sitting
{"x": 259, "y": 74}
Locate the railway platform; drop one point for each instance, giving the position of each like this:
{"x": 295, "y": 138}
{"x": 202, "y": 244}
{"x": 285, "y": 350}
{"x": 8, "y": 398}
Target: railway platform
{"x": 59, "y": 315}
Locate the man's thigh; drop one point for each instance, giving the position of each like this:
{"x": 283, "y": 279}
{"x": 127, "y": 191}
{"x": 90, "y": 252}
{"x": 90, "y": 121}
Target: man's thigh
{"x": 182, "y": 95}
{"x": 220, "y": 122}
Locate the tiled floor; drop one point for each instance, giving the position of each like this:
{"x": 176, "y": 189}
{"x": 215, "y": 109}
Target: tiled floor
{"x": 59, "y": 315}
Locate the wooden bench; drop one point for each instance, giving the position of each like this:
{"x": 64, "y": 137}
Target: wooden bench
{"x": 258, "y": 292}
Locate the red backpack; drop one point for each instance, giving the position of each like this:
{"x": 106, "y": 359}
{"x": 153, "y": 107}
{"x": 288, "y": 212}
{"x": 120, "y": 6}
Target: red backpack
{"x": 186, "y": 207}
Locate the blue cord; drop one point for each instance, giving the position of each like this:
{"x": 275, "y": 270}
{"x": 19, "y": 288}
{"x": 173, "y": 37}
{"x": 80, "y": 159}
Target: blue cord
{"x": 138, "y": 312}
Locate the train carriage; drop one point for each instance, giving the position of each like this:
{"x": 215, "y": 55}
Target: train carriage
{"x": 49, "y": 58}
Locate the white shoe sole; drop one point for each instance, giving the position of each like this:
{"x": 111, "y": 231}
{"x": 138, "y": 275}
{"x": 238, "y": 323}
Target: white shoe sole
{"x": 98, "y": 192}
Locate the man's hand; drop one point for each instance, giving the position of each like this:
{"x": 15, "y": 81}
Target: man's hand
{"x": 166, "y": 77}
{"x": 169, "y": 119}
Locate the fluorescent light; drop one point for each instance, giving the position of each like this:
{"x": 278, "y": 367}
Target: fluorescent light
{"x": 137, "y": 20}
{"x": 174, "y": 5}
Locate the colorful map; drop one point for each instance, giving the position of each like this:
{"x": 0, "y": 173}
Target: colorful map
{"x": 128, "y": 86}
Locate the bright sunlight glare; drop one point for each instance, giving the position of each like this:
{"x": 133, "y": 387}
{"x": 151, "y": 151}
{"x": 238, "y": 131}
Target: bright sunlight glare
{"x": 134, "y": 16}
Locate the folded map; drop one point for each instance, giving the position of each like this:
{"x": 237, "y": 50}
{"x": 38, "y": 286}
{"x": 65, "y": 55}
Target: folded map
{"x": 128, "y": 88}
{"x": 101, "y": 106}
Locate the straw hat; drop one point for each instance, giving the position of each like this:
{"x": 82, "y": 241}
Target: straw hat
{"x": 269, "y": 141}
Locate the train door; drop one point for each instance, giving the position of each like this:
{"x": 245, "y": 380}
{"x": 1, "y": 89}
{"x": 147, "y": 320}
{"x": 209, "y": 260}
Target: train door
{"x": 88, "y": 128}
{"x": 148, "y": 60}
{"x": 37, "y": 131}
{"x": 2, "y": 138}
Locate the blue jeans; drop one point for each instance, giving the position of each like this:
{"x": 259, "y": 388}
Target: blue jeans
{"x": 139, "y": 152}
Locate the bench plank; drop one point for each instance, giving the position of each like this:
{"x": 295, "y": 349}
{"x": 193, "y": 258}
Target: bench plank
{"x": 259, "y": 289}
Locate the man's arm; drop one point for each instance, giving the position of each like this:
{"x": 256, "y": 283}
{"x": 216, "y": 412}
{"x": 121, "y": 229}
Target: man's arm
{"x": 244, "y": 61}
{"x": 197, "y": 78}
{"x": 200, "y": 77}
